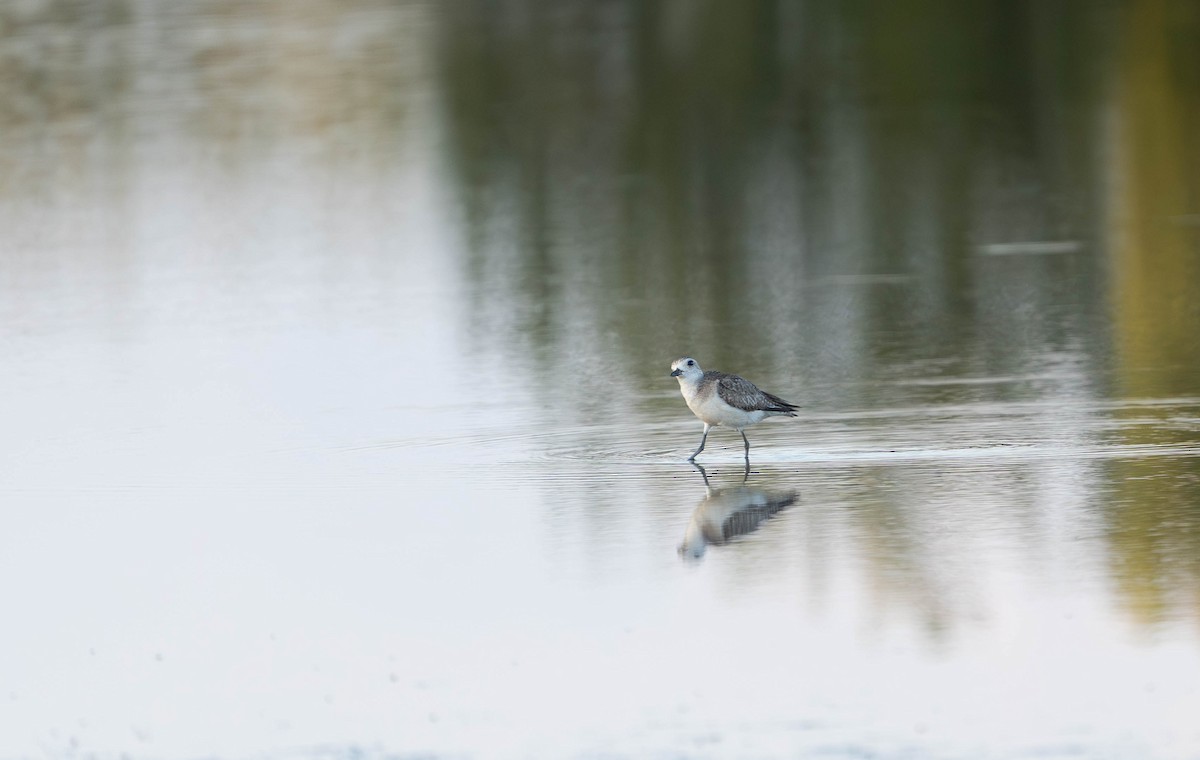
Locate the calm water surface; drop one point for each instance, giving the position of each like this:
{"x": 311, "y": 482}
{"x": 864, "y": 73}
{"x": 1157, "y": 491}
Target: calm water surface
{"x": 336, "y": 410}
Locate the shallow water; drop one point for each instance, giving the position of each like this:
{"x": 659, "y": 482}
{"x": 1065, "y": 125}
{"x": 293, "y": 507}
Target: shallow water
{"x": 337, "y": 417}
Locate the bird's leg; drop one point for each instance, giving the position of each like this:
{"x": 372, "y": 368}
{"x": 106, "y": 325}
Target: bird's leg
{"x": 747, "y": 442}
{"x": 703, "y": 439}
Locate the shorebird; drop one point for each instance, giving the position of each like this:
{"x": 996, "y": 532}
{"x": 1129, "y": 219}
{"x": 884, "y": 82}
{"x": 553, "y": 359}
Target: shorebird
{"x": 718, "y": 398}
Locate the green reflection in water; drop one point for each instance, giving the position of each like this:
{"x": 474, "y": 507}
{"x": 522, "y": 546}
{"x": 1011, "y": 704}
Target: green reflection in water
{"x": 779, "y": 184}
{"x": 1154, "y": 513}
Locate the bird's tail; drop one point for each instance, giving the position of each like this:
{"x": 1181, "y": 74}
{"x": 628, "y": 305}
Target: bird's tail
{"x": 779, "y": 406}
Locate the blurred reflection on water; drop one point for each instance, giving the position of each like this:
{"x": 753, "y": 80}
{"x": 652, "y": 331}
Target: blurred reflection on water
{"x": 789, "y": 184}
{"x": 337, "y": 410}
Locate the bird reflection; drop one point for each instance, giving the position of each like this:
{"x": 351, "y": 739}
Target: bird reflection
{"x": 726, "y": 513}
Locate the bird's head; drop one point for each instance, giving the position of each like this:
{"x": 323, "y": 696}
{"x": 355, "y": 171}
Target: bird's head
{"x": 686, "y": 368}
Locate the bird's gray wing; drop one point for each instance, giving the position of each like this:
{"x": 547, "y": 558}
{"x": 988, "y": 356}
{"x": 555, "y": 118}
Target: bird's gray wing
{"x": 742, "y": 394}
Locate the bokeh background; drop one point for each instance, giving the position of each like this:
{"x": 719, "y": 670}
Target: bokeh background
{"x": 335, "y": 417}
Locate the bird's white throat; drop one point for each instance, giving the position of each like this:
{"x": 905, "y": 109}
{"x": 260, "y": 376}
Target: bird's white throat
{"x": 689, "y": 386}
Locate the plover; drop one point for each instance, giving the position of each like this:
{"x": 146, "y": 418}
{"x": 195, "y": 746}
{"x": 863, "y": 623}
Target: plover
{"x": 718, "y": 398}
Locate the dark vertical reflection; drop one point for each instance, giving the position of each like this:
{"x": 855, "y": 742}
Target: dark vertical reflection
{"x": 723, "y": 171}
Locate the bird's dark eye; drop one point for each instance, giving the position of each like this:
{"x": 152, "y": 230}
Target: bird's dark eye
{"x": 691, "y": 363}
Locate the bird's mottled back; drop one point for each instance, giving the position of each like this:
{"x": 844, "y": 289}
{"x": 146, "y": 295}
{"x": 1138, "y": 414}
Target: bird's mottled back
{"x": 742, "y": 394}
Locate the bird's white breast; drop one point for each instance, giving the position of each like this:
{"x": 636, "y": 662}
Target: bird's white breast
{"x": 711, "y": 408}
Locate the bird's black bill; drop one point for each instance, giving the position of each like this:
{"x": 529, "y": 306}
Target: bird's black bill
{"x": 676, "y": 373}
